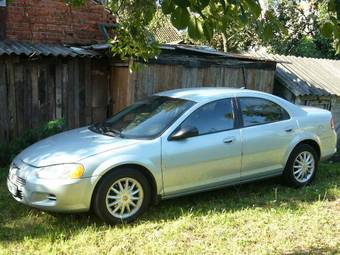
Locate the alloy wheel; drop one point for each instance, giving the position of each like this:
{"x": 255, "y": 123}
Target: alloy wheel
{"x": 124, "y": 198}
{"x": 304, "y": 166}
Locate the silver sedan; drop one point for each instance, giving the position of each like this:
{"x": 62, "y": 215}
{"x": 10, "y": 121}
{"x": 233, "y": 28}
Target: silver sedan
{"x": 174, "y": 143}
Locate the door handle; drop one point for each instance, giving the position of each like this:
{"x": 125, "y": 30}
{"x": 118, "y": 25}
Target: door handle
{"x": 228, "y": 140}
{"x": 288, "y": 130}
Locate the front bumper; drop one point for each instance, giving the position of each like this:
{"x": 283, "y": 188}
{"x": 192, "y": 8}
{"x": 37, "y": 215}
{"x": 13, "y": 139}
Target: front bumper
{"x": 50, "y": 195}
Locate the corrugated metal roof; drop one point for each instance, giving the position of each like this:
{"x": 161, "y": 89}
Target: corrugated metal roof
{"x": 307, "y": 76}
{"x": 41, "y": 49}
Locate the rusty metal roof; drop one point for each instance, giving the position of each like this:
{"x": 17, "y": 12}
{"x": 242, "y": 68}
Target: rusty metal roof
{"x": 307, "y": 76}
{"x": 206, "y": 50}
{"x": 42, "y": 49}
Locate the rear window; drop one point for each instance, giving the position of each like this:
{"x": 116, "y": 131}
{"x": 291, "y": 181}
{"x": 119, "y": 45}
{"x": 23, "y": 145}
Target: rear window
{"x": 257, "y": 111}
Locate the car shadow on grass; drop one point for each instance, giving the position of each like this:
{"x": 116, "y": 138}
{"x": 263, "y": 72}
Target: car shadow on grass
{"x": 18, "y": 221}
{"x": 266, "y": 194}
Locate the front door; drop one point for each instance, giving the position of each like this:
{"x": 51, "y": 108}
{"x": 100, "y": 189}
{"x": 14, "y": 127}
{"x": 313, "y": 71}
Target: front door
{"x": 211, "y": 158}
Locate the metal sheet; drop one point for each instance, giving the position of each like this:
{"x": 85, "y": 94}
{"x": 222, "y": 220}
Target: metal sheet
{"x": 40, "y": 49}
{"x": 307, "y": 76}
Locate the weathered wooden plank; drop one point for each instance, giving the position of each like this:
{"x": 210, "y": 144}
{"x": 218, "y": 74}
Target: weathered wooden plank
{"x": 59, "y": 90}
{"x": 27, "y": 88}
{"x": 88, "y": 92}
{"x": 51, "y": 91}
{"x": 122, "y": 84}
{"x": 11, "y": 98}
{"x": 82, "y": 105}
{"x": 35, "y": 95}
{"x": 76, "y": 92}
{"x": 43, "y": 93}
{"x": 19, "y": 97}
{"x": 70, "y": 96}
{"x": 218, "y": 77}
{"x": 99, "y": 96}
{"x": 268, "y": 81}
{"x": 64, "y": 83}
{"x": 250, "y": 75}
{"x": 4, "y": 120}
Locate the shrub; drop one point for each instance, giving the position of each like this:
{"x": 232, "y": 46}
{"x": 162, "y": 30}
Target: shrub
{"x": 9, "y": 150}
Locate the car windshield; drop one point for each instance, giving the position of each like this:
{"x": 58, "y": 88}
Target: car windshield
{"x": 146, "y": 119}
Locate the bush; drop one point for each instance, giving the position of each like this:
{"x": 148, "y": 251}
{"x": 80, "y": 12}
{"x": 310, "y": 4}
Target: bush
{"x": 9, "y": 150}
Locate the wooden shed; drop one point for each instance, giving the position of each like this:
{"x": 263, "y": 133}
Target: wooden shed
{"x": 183, "y": 66}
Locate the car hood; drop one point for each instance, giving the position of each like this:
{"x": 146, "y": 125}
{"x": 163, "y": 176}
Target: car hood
{"x": 70, "y": 147}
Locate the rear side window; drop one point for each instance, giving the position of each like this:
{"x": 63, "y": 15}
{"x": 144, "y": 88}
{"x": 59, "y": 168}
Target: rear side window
{"x": 212, "y": 117}
{"x": 256, "y": 111}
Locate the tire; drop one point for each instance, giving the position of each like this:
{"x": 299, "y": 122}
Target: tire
{"x": 111, "y": 196}
{"x": 298, "y": 174}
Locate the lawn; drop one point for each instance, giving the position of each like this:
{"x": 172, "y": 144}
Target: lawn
{"x": 259, "y": 218}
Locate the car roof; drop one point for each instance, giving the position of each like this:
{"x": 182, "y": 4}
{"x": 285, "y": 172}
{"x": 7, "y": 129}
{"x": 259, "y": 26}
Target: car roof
{"x": 203, "y": 94}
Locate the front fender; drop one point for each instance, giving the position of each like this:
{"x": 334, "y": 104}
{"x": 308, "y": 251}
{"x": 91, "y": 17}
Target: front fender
{"x": 153, "y": 167}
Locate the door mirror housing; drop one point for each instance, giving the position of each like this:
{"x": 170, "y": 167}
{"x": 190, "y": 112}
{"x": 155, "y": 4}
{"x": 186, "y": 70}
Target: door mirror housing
{"x": 183, "y": 133}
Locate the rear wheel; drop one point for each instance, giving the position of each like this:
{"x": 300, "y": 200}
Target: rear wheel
{"x": 301, "y": 166}
{"x": 122, "y": 196}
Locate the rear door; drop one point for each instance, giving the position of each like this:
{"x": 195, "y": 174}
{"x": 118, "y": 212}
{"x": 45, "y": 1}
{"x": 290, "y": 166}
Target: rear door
{"x": 266, "y": 134}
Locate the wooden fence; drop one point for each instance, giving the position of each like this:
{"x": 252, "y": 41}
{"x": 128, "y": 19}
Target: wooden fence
{"x": 33, "y": 92}
{"x": 129, "y": 87}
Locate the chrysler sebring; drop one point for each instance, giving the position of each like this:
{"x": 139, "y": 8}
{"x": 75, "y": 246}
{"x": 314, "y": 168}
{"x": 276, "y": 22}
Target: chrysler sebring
{"x": 171, "y": 144}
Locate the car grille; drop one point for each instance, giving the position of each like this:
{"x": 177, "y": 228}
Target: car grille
{"x": 15, "y": 179}
{"x": 19, "y": 181}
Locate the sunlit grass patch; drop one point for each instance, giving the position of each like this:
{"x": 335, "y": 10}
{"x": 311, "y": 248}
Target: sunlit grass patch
{"x": 259, "y": 218}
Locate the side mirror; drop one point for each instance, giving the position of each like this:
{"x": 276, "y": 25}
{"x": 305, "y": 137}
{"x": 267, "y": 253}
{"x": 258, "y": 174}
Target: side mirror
{"x": 184, "y": 133}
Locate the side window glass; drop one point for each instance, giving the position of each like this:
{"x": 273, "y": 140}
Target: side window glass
{"x": 256, "y": 111}
{"x": 212, "y": 117}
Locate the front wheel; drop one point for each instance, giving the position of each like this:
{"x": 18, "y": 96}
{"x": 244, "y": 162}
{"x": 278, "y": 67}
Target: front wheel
{"x": 301, "y": 166}
{"x": 122, "y": 196}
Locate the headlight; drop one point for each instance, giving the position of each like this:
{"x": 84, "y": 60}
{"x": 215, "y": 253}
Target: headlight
{"x": 63, "y": 171}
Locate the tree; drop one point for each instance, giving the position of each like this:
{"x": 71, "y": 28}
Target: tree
{"x": 236, "y": 38}
{"x": 202, "y": 19}
{"x": 302, "y": 37}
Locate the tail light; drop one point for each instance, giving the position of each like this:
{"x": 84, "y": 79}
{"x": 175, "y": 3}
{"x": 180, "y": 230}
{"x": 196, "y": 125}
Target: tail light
{"x": 333, "y": 122}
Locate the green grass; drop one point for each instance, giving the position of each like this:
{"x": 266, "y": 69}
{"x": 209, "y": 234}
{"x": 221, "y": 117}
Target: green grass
{"x": 246, "y": 219}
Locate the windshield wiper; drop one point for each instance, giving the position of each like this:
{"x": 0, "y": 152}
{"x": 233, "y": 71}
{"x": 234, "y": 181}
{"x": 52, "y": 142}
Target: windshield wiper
{"x": 105, "y": 130}
{"x": 96, "y": 128}
{"x": 115, "y": 132}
